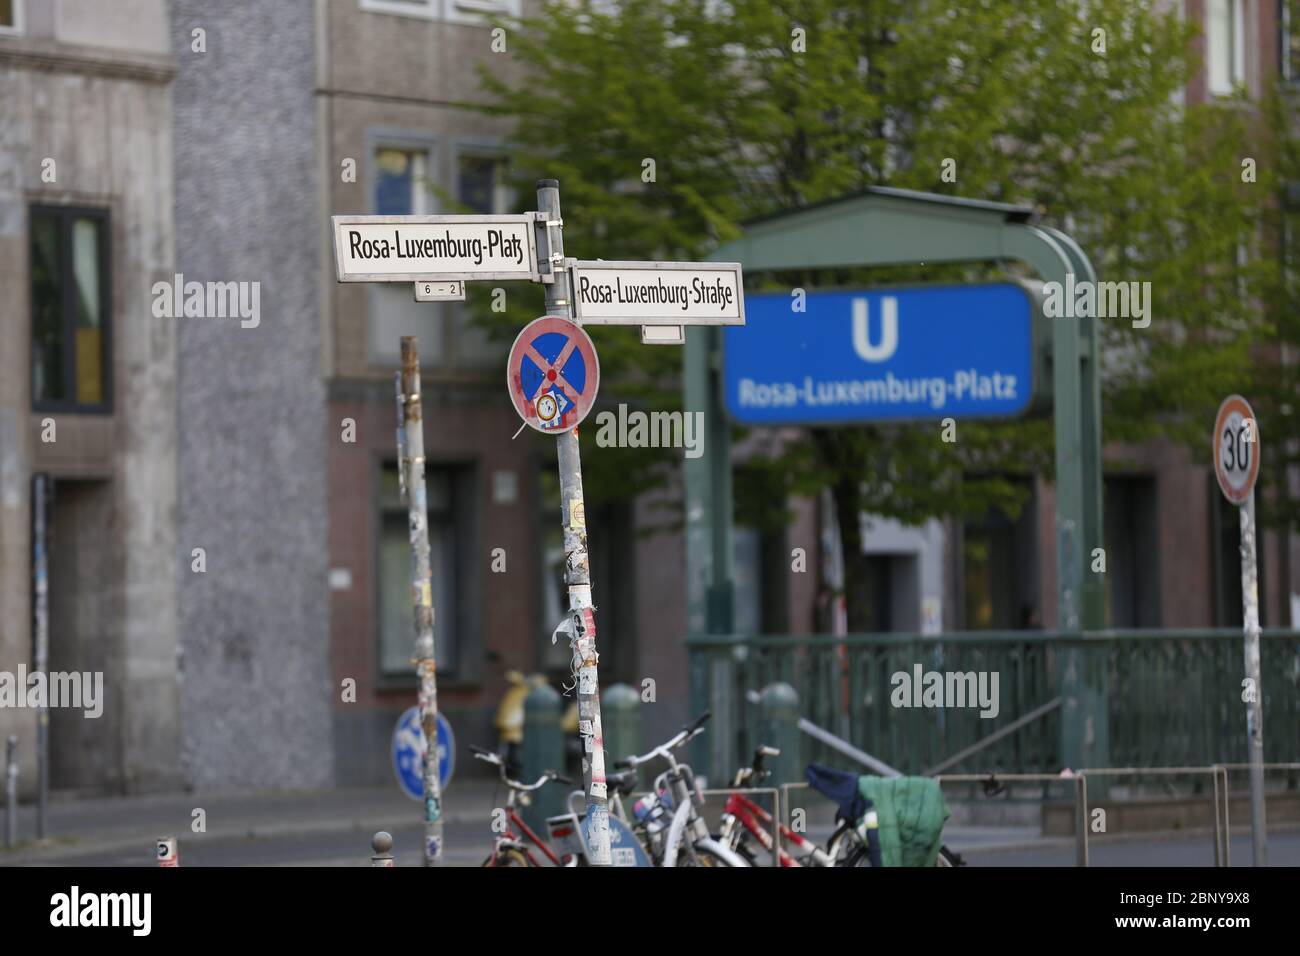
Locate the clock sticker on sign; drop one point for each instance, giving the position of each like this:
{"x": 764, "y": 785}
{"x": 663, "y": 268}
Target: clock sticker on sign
{"x": 1236, "y": 449}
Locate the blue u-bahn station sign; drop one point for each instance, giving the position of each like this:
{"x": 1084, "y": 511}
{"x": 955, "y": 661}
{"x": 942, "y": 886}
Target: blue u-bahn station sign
{"x": 881, "y": 355}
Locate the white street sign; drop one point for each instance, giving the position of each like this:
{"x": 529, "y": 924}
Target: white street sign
{"x": 434, "y": 248}
{"x": 657, "y": 293}
{"x": 440, "y": 291}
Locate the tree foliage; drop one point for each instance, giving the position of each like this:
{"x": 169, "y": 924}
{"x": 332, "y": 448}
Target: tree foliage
{"x": 752, "y": 107}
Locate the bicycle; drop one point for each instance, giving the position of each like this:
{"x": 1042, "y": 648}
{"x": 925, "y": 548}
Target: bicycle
{"x": 567, "y": 834}
{"x": 685, "y": 840}
{"x": 744, "y": 821}
{"x": 509, "y": 848}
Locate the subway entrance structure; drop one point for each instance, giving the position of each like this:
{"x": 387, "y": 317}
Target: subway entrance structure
{"x": 886, "y": 227}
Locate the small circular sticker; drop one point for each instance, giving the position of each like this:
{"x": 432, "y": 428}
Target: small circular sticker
{"x": 1236, "y": 449}
{"x": 552, "y": 374}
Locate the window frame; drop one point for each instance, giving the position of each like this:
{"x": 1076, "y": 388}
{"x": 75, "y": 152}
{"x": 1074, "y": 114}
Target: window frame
{"x": 19, "y": 26}
{"x": 68, "y": 317}
{"x": 1236, "y": 48}
{"x": 465, "y": 616}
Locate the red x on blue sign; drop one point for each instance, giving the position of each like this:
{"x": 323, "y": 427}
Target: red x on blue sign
{"x": 552, "y": 374}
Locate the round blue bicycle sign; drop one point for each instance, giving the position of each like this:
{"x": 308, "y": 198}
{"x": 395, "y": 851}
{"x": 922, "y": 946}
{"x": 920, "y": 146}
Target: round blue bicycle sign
{"x": 408, "y": 753}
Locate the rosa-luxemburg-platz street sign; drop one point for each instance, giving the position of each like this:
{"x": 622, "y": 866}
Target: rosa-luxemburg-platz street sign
{"x": 434, "y": 248}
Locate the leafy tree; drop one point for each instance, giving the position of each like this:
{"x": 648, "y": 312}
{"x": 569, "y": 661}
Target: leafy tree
{"x": 753, "y": 106}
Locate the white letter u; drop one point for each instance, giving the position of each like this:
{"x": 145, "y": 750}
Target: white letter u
{"x": 888, "y": 330}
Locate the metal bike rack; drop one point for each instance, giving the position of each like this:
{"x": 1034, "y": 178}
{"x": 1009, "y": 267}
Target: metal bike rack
{"x": 1220, "y": 797}
{"x": 1224, "y": 768}
{"x": 1080, "y": 798}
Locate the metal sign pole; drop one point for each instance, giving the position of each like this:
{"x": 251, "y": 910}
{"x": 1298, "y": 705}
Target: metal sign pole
{"x": 1255, "y": 705}
{"x": 411, "y": 467}
{"x": 41, "y": 607}
{"x": 577, "y": 573}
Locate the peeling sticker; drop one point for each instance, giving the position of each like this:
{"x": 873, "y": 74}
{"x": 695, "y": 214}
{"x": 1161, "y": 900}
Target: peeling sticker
{"x": 584, "y": 727}
{"x": 598, "y": 789}
{"x": 577, "y": 513}
{"x": 587, "y": 680}
{"x": 586, "y": 708}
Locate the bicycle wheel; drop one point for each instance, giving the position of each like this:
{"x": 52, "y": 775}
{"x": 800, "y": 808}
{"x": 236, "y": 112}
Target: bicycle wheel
{"x": 510, "y": 857}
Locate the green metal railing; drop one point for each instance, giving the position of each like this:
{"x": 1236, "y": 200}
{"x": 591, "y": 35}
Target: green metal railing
{"x": 1173, "y": 697}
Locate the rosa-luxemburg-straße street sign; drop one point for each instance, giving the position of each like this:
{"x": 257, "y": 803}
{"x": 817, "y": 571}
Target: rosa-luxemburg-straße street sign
{"x": 435, "y": 248}
{"x": 661, "y": 297}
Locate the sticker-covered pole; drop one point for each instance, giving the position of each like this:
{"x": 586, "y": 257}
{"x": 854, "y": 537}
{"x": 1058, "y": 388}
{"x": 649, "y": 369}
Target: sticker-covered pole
{"x": 576, "y": 570}
{"x": 411, "y": 466}
{"x": 1255, "y": 701}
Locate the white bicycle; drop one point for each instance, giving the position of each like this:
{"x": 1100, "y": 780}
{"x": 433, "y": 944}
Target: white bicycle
{"x": 685, "y": 839}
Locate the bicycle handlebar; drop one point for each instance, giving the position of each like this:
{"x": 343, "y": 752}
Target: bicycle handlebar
{"x": 488, "y": 756}
{"x": 663, "y": 750}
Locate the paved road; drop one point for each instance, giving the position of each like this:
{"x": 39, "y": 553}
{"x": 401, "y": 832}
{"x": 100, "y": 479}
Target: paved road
{"x": 333, "y": 828}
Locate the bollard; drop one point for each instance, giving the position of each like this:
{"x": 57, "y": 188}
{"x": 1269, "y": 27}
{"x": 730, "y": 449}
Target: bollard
{"x": 11, "y": 791}
{"x": 778, "y": 726}
{"x": 621, "y": 716}
{"x": 382, "y": 845}
{"x": 168, "y": 852}
{"x": 543, "y": 751}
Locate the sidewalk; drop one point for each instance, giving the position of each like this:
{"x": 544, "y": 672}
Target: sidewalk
{"x": 79, "y": 826}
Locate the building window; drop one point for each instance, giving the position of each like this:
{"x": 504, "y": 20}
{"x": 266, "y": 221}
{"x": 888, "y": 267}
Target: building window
{"x": 480, "y": 183}
{"x": 453, "y": 11}
{"x": 997, "y": 592}
{"x": 1225, "y": 45}
{"x": 70, "y": 309}
{"x": 402, "y": 182}
{"x": 1132, "y": 543}
{"x": 1289, "y": 40}
{"x": 11, "y": 16}
{"x": 396, "y": 613}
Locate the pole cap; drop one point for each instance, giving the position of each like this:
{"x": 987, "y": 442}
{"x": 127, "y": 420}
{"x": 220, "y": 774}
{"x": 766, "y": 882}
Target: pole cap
{"x": 381, "y": 842}
{"x": 548, "y": 184}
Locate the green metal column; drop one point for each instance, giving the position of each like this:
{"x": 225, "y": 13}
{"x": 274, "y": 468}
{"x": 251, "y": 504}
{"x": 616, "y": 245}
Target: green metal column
{"x": 709, "y": 514}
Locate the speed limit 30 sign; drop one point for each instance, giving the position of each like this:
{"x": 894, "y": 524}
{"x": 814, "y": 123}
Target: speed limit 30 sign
{"x": 1236, "y": 449}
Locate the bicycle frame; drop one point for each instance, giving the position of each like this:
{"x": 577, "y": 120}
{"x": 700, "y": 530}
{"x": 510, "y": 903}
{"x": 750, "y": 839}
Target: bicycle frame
{"x": 509, "y": 840}
{"x": 758, "y": 822}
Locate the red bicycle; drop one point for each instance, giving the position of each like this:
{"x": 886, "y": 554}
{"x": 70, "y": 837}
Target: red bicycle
{"x": 508, "y": 847}
{"x": 743, "y": 820}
